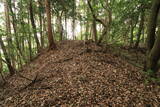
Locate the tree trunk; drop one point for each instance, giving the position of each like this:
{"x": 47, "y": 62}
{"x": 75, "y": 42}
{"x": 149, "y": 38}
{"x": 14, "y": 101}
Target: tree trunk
{"x": 8, "y": 60}
{"x": 94, "y": 25}
{"x": 60, "y": 26}
{"x": 14, "y": 20}
{"x": 9, "y": 37}
{"x": 140, "y": 29}
{"x": 87, "y": 30}
{"x": 106, "y": 26}
{"x": 52, "y": 44}
{"x": 132, "y": 29}
{"x": 1, "y": 69}
{"x": 81, "y": 27}
{"x": 40, "y": 22}
{"x": 152, "y": 24}
{"x": 29, "y": 41}
{"x": 153, "y": 53}
{"x": 66, "y": 26}
{"x": 34, "y": 25}
{"x": 73, "y": 20}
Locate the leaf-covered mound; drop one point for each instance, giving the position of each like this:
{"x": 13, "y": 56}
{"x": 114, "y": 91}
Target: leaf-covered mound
{"x": 76, "y": 76}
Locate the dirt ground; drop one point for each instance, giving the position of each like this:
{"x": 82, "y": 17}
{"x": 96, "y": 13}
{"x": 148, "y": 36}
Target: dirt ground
{"x": 74, "y": 77}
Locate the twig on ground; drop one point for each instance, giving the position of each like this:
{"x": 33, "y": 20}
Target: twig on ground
{"x": 31, "y": 83}
{"x": 24, "y": 77}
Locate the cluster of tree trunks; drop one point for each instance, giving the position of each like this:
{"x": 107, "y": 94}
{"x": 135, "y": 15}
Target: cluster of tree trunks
{"x": 11, "y": 22}
{"x": 105, "y": 23}
{"x": 153, "y": 36}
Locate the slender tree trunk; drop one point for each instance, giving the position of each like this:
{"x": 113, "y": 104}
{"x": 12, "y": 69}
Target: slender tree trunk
{"x": 52, "y": 44}
{"x": 132, "y": 31}
{"x": 34, "y": 25}
{"x": 81, "y": 30}
{"x": 87, "y": 25}
{"x": 1, "y": 68}
{"x": 94, "y": 26}
{"x": 45, "y": 30}
{"x": 140, "y": 29}
{"x": 66, "y": 26}
{"x": 9, "y": 37}
{"x": 14, "y": 20}
{"x": 29, "y": 41}
{"x": 73, "y": 20}
{"x": 104, "y": 32}
{"x": 94, "y": 30}
{"x": 40, "y": 22}
{"x": 87, "y": 30}
{"x": 132, "y": 35}
{"x": 8, "y": 60}
{"x": 60, "y": 26}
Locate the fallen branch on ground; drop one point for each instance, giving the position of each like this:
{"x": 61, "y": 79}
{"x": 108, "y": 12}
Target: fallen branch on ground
{"x": 24, "y": 77}
{"x": 32, "y": 82}
{"x": 41, "y": 88}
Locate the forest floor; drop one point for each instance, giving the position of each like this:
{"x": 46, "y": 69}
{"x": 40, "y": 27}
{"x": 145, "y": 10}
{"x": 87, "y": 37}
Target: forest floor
{"x": 72, "y": 76}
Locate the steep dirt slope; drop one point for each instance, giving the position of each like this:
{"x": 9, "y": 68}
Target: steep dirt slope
{"x": 70, "y": 76}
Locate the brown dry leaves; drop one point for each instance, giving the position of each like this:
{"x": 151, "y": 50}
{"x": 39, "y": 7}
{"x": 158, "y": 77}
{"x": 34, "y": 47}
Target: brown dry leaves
{"x": 90, "y": 79}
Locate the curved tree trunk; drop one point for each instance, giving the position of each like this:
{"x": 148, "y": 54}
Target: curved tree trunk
{"x": 152, "y": 24}
{"x": 153, "y": 54}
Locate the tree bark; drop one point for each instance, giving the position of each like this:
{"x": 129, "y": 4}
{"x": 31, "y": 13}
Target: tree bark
{"x": 34, "y": 25}
{"x": 9, "y": 37}
{"x": 153, "y": 53}
{"x": 132, "y": 29}
{"x": 40, "y": 22}
{"x": 60, "y": 26}
{"x": 14, "y": 20}
{"x": 87, "y": 27}
{"x": 105, "y": 25}
{"x": 52, "y": 44}
{"x": 152, "y": 24}
{"x": 8, "y": 60}
{"x": 66, "y": 26}
{"x": 73, "y": 20}
{"x": 140, "y": 29}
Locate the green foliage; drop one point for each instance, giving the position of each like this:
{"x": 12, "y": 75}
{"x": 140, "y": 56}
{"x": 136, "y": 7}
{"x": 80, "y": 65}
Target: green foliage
{"x": 20, "y": 41}
{"x": 150, "y": 78}
{"x": 5, "y": 69}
